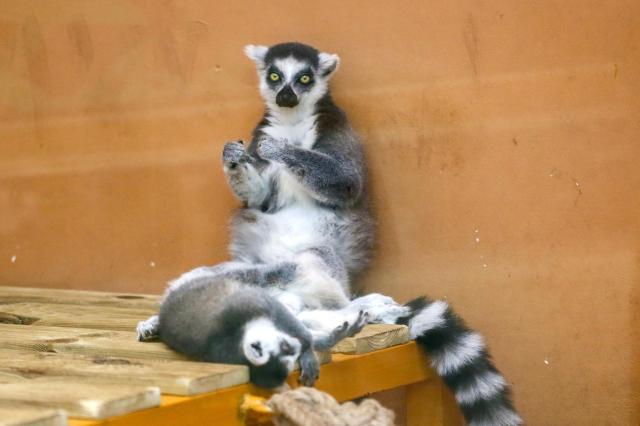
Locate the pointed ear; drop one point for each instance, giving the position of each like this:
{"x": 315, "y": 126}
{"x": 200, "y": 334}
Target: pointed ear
{"x": 256, "y": 53}
{"x": 255, "y": 353}
{"x": 328, "y": 63}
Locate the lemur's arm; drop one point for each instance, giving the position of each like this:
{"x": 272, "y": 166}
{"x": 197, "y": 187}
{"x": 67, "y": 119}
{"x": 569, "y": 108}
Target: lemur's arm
{"x": 309, "y": 366}
{"x": 244, "y": 179}
{"x": 331, "y": 175}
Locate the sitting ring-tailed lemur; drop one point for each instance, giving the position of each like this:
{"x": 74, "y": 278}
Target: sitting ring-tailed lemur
{"x": 305, "y": 229}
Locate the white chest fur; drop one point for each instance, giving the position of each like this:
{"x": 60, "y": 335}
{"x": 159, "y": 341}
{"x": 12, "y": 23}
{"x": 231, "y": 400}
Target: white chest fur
{"x": 290, "y": 230}
{"x": 297, "y": 128}
{"x": 300, "y": 133}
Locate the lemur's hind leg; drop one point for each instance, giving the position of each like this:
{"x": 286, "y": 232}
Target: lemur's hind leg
{"x": 382, "y": 309}
{"x": 320, "y": 281}
{"x": 327, "y": 326}
{"x": 261, "y": 275}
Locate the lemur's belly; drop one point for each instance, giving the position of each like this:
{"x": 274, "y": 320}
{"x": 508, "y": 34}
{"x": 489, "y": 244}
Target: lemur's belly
{"x": 276, "y": 237}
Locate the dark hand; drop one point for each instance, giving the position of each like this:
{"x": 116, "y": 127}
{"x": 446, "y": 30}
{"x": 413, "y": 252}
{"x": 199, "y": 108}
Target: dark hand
{"x": 233, "y": 154}
{"x": 309, "y": 368}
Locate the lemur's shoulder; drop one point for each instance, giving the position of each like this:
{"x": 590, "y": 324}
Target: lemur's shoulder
{"x": 329, "y": 116}
{"x": 336, "y": 137}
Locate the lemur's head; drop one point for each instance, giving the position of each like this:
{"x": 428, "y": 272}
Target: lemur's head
{"x": 292, "y": 75}
{"x": 271, "y": 354}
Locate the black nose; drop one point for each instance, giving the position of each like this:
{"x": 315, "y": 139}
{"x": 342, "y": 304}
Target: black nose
{"x": 287, "y": 98}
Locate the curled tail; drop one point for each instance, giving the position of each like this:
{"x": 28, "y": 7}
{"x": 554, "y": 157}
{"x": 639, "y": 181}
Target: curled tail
{"x": 460, "y": 357}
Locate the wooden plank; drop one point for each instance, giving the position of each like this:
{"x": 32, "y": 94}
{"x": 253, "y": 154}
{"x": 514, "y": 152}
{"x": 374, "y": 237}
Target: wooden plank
{"x": 172, "y": 377}
{"x": 77, "y": 297}
{"x": 80, "y": 399}
{"x": 346, "y": 377}
{"x": 78, "y": 316}
{"x": 23, "y": 416}
{"x": 82, "y": 341}
{"x": 372, "y": 338}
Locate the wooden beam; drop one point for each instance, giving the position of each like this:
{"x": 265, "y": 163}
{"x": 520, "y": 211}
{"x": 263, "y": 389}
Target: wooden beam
{"x": 424, "y": 404}
{"x": 23, "y": 416}
{"x": 430, "y": 403}
{"x": 345, "y": 378}
{"x": 372, "y": 338}
{"x": 77, "y": 297}
{"x": 172, "y": 377}
{"x": 80, "y": 399}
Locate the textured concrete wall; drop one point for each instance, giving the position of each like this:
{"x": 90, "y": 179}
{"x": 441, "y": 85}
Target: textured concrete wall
{"x": 502, "y": 140}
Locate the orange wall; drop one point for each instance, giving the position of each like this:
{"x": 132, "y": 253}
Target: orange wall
{"x": 502, "y": 137}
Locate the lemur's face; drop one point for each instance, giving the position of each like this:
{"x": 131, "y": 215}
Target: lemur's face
{"x": 292, "y": 75}
{"x": 271, "y": 354}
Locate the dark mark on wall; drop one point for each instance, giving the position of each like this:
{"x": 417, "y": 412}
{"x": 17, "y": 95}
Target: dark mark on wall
{"x": 80, "y": 38}
{"x": 470, "y": 34}
{"x": 35, "y": 52}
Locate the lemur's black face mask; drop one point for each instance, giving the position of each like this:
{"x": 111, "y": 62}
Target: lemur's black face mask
{"x": 286, "y": 97}
{"x": 270, "y": 375}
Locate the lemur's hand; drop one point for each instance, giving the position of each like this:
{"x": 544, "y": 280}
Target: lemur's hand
{"x": 309, "y": 368}
{"x": 233, "y": 154}
{"x": 271, "y": 149}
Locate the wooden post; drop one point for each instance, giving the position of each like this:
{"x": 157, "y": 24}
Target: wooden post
{"x": 429, "y": 403}
{"x": 424, "y": 404}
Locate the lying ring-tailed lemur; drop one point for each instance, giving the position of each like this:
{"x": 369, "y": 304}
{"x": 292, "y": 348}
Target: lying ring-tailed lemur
{"x": 305, "y": 229}
{"x": 212, "y": 314}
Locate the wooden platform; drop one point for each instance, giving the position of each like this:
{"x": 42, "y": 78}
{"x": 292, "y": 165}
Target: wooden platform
{"x": 71, "y": 357}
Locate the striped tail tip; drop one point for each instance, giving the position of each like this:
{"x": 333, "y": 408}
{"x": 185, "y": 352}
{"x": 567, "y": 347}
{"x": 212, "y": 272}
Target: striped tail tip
{"x": 459, "y": 355}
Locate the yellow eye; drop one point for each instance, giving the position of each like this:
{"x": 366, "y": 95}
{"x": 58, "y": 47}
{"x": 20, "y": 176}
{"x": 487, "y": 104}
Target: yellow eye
{"x": 274, "y": 76}
{"x": 305, "y": 79}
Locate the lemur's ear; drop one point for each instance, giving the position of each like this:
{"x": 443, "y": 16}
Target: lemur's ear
{"x": 255, "y": 353}
{"x": 256, "y": 53}
{"x": 328, "y": 63}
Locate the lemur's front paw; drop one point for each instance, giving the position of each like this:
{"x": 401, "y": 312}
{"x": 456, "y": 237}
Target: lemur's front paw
{"x": 149, "y": 329}
{"x": 271, "y": 149}
{"x": 309, "y": 368}
{"x": 233, "y": 154}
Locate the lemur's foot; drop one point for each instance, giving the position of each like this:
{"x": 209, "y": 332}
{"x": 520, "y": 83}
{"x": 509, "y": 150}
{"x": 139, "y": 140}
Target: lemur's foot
{"x": 351, "y": 326}
{"x": 356, "y": 326}
{"x": 234, "y": 154}
{"x": 382, "y": 309}
{"x": 373, "y": 299}
{"x": 309, "y": 368}
{"x": 149, "y": 329}
{"x": 322, "y": 325}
